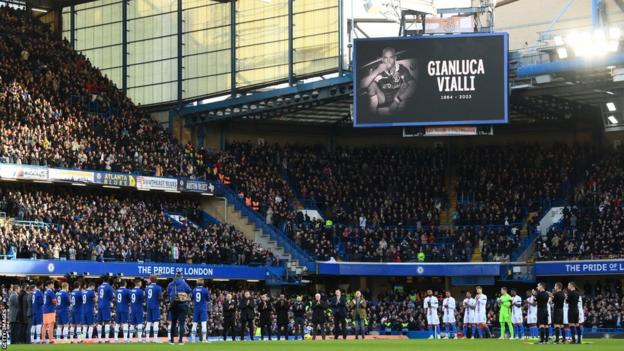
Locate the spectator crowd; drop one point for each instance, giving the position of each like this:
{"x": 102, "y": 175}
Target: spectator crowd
{"x": 99, "y": 224}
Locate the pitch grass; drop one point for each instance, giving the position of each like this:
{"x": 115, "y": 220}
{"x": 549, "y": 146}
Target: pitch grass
{"x": 349, "y": 345}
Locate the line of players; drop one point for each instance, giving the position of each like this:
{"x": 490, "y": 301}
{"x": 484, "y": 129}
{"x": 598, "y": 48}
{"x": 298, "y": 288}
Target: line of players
{"x": 75, "y": 316}
{"x": 75, "y": 311}
{"x": 76, "y": 319}
{"x": 559, "y": 311}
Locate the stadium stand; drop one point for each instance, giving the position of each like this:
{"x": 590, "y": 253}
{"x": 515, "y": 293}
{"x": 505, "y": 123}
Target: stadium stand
{"x": 107, "y": 225}
{"x": 593, "y": 226}
{"x": 45, "y": 91}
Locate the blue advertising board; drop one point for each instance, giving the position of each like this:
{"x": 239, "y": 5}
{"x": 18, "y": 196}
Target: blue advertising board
{"x": 133, "y": 269}
{"x": 410, "y": 269}
{"x": 596, "y": 267}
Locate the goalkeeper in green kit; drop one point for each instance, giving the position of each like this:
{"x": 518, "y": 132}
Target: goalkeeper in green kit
{"x": 504, "y": 316}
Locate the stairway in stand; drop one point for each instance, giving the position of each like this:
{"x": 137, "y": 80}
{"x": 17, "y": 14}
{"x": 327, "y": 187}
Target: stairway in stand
{"x": 476, "y": 254}
{"x": 450, "y": 185}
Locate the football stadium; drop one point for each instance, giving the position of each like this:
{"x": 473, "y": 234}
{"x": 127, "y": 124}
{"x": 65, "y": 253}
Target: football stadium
{"x": 440, "y": 175}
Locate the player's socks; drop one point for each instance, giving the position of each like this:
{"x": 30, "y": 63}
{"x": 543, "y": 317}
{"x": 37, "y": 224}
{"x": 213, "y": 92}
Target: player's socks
{"x": 106, "y": 332}
{"x": 116, "y": 331}
{"x": 573, "y": 333}
{"x": 204, "y": 326}
{"x": 169, "y": 331}
{"x": 503, "y": 328}
{"x": 579, "y": 332}
{"x": 542, "y": 332}
{"x": 551, "y": 331}
{"x": 557, "y": 332}
{"x": 59, "y": 330}
{"x": 125, "y": 331}
{"x": 465, "y": 330}
{"x": 155, "y": 331}
{"x": 99, "y": 331}
{"x": 38, "y": 333}
{"x": 193, "y": 332}
{"x": 512, "y": 332}
{"x": 148, "y": 329}
{"x": 446, "y": 330}
{"x": 140, "y": 331}
{"x": 65, "y": 332}
{"x": 437, "y": 331}
{"x": 521, "y": 331}
{"x": 473, "y": 331}
{"x": 430, "y": 331}
{"x": 547, "y": 334}
{"x": 90, "y": 332}
{"x": 567, "y": 334}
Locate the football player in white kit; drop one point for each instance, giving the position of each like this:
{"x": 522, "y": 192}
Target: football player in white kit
{"x": 566, "y": 326}
{"x": 480, "y": 318}
{"x": 579, "y": 330}
{"x": 431, "y": 310}
{"x": 532, "y": 313}
{"x": 516, "y": 314}
{"x": 550, "y": 325}
{"x": 448, "y": 306}
{"x": 469, "y": 311}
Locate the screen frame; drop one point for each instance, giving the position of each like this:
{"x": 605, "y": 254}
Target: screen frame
{"x": 500, "y": 120}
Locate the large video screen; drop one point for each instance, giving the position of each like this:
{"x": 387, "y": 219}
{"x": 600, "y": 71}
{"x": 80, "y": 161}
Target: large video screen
{"x": 456, "y": 79}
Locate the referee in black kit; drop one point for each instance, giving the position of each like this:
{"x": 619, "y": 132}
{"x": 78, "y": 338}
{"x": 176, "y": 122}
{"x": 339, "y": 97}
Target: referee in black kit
{"x": 542, "y": 312}
{"x": 573, "y": 312}
{"x": 558, "y": 301}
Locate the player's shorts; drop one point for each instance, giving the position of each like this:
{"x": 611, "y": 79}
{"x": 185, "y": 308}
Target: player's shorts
{"x": 76, "y": 317}
{"x": 37, "y": 319}
{"x": 433, "y": 319}
{"x": 504, "y": 318}
{"x": 62, "y": 317}
{"x": 557, "y": 316}
{"x": 468, "y": 318}
{"x": 448, "y": 318}
{"x": 542, "y": 317}
{"x": 136, "y": 317}
{"x": 516, "y": 318}
{"x": 479, "y": 318}
{"x": 104, "y": 315}
{"x": 88, "y": 317}
{"x": 200, "y": 316}
{"x": 153, "y": 315}
{"x": 121, "y": 317}
{"x": 49, "y": 318}
{"x": 573, "y": 316}
{"x": 532, "y": 318}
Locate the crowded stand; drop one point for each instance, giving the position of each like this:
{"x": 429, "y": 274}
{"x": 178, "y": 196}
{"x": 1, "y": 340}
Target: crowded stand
{"x": 44, "y": 87}
{"x": 592, "y": 227}
{"x": 97, "y": 225}
{"x": 371, "y": 186}
{"x": 254, "y": 173}
{"x": 501, "y": 184}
